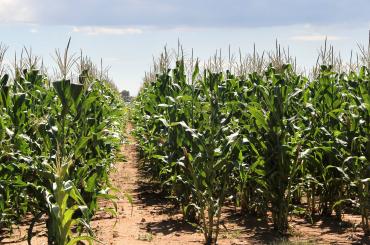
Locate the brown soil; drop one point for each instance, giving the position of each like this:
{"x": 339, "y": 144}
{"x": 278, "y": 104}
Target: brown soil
{"x": 152, "y": 219}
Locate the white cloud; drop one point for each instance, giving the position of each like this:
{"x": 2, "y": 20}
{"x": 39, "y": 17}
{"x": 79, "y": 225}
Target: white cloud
{"x": 16, "y": 11}
{"x": 316, "y": 38}
{"x": 191, "y": 13}
{"x": 98, "y": 30}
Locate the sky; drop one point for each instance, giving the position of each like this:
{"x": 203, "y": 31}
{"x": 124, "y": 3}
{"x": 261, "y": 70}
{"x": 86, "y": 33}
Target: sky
{"x": 127, "y": 34}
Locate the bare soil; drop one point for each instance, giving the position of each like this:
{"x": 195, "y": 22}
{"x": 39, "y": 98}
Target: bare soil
{"x": 153, "y": 219}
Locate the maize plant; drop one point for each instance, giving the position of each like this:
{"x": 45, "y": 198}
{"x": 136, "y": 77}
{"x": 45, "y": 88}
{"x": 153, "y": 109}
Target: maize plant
{"x": 357, "y": 123}
{"x": 59, "y": 141}
{"x": 190, "y": 153}
{"x": 271, "y": 140}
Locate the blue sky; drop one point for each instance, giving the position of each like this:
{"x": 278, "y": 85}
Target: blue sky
{"x": 127, "y": 34}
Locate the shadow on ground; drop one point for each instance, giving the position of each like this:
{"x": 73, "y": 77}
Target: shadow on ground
{"x": 233, "y": 224}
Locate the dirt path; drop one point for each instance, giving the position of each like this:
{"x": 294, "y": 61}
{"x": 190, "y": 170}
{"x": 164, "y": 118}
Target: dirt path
{"x": 152, "y": 219}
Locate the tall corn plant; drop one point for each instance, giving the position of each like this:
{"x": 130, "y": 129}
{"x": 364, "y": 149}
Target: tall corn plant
{"x": 277, "y": 121}
{"x": 358, "y": 124}
{"x": 326, "y": 144}
{"x": 59, "y": 146}
{"x": 271, "y": 139}
{"x": 207, "y": 164}
{"x": 189, "y": 124}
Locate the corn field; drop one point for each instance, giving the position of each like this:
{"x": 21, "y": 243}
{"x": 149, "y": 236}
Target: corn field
{"x": 252, "y": 132}
{"x": 258, "y": 134}
{"x": 59, "y": 139}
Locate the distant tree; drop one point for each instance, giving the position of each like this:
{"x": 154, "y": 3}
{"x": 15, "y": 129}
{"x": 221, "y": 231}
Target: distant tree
{"x": 126, "y": 95}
